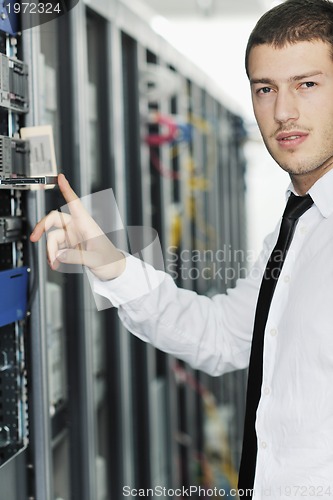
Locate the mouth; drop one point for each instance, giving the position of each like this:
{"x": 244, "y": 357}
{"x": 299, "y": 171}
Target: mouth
{"x": 291, "y": 139}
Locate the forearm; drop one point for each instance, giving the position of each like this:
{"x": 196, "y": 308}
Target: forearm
{"x": 209, "y": 334}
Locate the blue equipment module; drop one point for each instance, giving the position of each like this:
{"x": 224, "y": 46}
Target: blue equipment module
{"x": 9, "y": 21}
{"x": 13, "y": 295}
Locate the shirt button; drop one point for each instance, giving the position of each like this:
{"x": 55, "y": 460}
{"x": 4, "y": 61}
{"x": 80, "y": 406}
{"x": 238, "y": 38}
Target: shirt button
{"x": 273, "y": 332}
{"x": 263, "y": 445}
{"x": 286, "y": 279}
{"x": 304, "y": 229}
{"x": 267, "y": 391}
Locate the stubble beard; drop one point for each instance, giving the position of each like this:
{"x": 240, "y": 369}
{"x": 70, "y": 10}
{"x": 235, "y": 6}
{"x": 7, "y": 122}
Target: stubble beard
{"x": 301, "y": 168}
{"x": 304, "y": 166}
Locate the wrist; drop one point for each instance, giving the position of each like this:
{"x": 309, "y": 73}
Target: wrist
{"x": 111, "y": 271}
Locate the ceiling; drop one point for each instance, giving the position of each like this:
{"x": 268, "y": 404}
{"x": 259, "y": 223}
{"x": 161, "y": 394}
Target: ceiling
{"x": 208, "y": 8}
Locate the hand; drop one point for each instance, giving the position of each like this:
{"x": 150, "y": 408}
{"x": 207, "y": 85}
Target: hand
{"x": 78, "y": 239}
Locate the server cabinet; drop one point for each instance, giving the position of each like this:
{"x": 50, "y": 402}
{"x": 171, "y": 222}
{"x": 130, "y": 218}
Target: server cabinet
{"x": 15, "y": 390}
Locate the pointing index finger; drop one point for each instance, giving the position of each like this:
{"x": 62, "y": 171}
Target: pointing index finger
{"x": 66, "y": 189}
{"x": 73, "y": 201}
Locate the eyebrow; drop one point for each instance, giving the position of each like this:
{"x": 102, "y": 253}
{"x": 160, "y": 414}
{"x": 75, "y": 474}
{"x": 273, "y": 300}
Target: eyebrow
{"x": 295, "y": 78}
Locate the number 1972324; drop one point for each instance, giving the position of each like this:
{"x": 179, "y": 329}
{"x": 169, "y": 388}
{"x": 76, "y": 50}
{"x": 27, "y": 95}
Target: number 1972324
{"x": 33, "y": 8}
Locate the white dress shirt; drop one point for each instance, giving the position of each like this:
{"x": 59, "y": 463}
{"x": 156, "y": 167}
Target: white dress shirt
{"x": 295, "y": 413}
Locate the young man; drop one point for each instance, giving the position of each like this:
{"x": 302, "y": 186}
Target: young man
{"x": 289, "y": 62}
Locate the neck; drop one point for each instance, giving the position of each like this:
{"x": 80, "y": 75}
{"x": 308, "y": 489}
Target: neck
{"x": 301, "y": 186}
{"x": 303, "y": 182}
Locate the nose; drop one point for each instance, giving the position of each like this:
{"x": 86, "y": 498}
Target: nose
{"x": 286, "y": 107}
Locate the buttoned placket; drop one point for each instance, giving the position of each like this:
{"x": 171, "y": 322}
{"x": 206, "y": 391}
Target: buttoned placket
{"x": 279, "y": 302}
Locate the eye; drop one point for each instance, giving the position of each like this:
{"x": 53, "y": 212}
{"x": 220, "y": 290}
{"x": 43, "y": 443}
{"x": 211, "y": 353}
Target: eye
{"x": 264, "y": 90}
{"x": 308, "y": 85}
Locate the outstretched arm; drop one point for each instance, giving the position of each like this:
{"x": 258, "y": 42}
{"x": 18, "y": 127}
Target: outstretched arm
{"x": 211, "y": 334}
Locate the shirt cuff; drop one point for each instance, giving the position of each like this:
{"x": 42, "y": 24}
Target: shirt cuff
{"x": 138, "y": 279}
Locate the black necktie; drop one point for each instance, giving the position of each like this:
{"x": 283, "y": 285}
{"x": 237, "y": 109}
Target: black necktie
{"x": 296, "y": 206}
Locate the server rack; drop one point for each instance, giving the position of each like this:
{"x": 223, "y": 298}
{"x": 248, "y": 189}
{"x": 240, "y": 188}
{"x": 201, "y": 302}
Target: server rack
{"x": 105, "y": 410}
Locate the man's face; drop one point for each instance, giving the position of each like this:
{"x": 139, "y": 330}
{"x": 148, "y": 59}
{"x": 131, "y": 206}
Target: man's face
{"x": 292, "y": 95}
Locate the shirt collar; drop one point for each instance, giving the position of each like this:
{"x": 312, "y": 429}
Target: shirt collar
{"x": 321, "y": 193}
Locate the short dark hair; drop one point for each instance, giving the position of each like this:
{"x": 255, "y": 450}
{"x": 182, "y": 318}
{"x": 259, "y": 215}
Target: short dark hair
{"x": 291, "y": 22}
